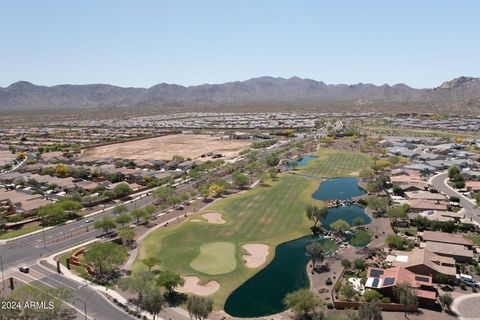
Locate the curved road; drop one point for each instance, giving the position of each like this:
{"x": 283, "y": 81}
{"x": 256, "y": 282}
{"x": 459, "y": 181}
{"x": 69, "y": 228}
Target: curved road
{"x": 471, "y": 211}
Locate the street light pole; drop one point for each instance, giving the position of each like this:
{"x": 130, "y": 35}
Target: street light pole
{"x": 3, "y": 275}
{"x": 85, "y": 303}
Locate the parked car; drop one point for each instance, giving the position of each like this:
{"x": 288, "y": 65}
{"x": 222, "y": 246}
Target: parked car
{"x": 89, "y": 220}
{"x": 467, "y": 280}
{"x": 24, "y": 269}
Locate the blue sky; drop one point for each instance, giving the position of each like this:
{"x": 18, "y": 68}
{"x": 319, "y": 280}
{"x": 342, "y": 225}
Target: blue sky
{"x": 141, "y": 43}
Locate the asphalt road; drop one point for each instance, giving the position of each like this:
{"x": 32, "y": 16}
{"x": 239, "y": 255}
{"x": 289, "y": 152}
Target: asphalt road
{"x": 27, "y": 250}
{"x": 97, "y": 306}
{"x": 471, "y": 211}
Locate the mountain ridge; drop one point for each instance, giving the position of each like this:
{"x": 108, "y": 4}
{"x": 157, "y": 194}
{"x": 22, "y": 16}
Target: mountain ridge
{"x": 460, "y": 95}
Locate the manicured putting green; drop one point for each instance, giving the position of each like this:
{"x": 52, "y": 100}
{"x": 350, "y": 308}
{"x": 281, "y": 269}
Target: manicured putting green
{"x": 215, "y": 258}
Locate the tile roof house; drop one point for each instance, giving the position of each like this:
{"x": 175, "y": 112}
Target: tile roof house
{"x": 448, "y": 244}
{"x": 473, "y": 186}
{"x": 458, "y": 252}
{"x": 444, "y": 237}
{"x": 385, "y": 280}
{"x": 420, "y": 205}
{"x": 425, "y": 195}
{"x": 424, "y": 262}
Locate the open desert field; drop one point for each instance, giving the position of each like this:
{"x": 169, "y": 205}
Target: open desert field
{"x": 164, "y": 148}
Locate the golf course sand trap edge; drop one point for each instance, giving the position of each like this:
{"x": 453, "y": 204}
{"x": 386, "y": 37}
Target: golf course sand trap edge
{"x": 213, "y": 217}
{"x": 257, "y": 254}
{"x": 191, "y": 286}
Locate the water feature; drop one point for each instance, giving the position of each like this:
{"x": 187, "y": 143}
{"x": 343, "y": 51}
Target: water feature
{"x": 347, "y": 213}
{"x": 338, "y": 189}
{"x": 303, "y": 161}
{"x": 263, "y": 294}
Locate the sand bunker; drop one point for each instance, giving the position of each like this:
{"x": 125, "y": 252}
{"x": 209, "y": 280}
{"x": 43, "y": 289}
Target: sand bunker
{"x": 257, "y": 254}
{"x": 213, "y": 217}
{"x": 191, "y": 286}
{"x": 195, "y": 220}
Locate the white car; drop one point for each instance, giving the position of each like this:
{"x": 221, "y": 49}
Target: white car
{"x": 467, "y": 279}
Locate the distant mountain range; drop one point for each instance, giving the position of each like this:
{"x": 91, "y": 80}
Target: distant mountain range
{"x": 461, "y": 95}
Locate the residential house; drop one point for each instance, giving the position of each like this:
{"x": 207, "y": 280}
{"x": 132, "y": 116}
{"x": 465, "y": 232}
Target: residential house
{"x": 385, "y": 280}
{"x": 424, "y": 262}
{"x": 448, "y": 244}
{"x": 419, "y": 205}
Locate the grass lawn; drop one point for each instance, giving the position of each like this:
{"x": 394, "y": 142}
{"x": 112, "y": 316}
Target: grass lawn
{"x": 80, "y": 271}
{"x": 12, "y": 233}
{"x": 333, "y": 163}
{"x": 268, "y": 215}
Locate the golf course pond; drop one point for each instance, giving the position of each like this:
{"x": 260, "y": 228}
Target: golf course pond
{"x": 338, "y": 189}
{"x": 304, "y": 160}
{"x": 263, "y": 294}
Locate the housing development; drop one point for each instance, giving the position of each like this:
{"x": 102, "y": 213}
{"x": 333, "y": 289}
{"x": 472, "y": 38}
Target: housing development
{"x": 239, "y": 160}
{"x": 243, "y": 216}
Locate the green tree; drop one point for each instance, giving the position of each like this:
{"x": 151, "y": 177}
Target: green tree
{"x": 347, "y": 264}
{"x": 105, "y": 258}
{"x": 315, "y": 252}
{"x": 273, "y": 174}
{"x": 138, "y": 283}
{"x": 379, "y": 204}
{"x": 292, "y": 164}
{"x": 315, "y": 214}
{"x": 357, "y": 221}
{"x": 304, "y": 303}
{"x": 150, "y": 210}
{"x": 139, "y": 214}
{"x": 263, "y": 178}
{"x": 340, "y": 226}
{"x": 445, "y": 301}
{"x": 176, "y": 200}
{"x": 170, "y": 280}
{"x": 122, "y": 190}
{"x": 397, "y": 213}
{"x": 106, "y": 224}
{"x": 240, "y": 179}
{"x": 123, "y": 219}
{"x": 151, "y": 261}
{"x": 396, "y": 242}
{"x": 153, "y": 301}
{"x": 405, "y": 295}
{"x": 163, "y": 193}
{"x": 372, "y": 295}
{"x": 51, "y": 214}
{"x": 370, "y": 311}
{"x": 126, "y": 235}
{"x": 272, "y": 160}
{"x": 366, "y": 174}
{"x": 199, "y": 308}
{"x": 359, "y": 264}
{"x": 120, "y": 209}
{"x": 348, "y": 291}
{"x": 453, "y": 172}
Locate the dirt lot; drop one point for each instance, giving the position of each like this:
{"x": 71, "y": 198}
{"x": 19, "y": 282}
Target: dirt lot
{"x": 164, "y": 148}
